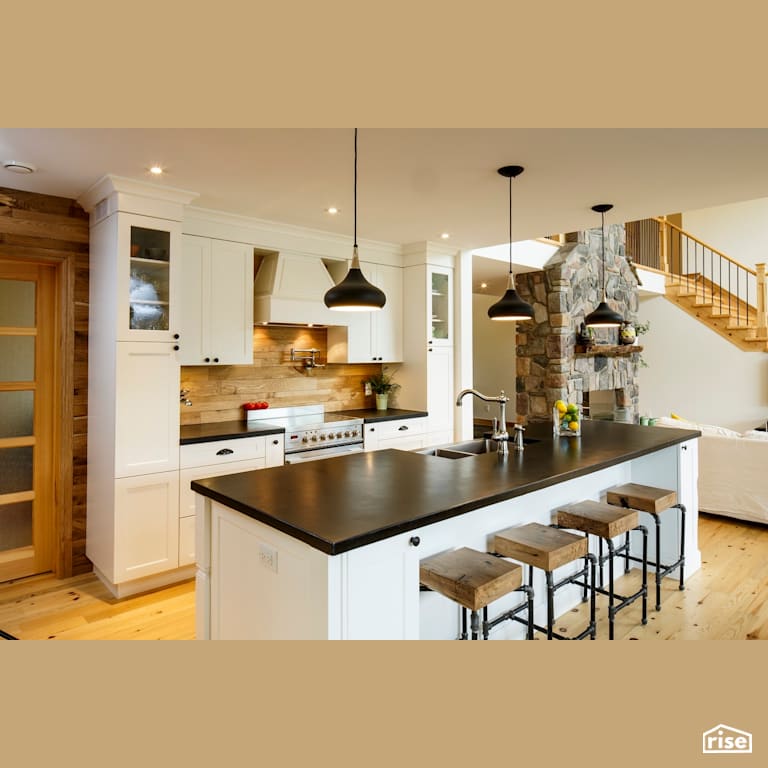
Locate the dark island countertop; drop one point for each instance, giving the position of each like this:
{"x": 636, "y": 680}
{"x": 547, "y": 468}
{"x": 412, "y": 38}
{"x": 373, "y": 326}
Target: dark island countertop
{"x": 372, "y": 416}
{"x": 346, "y": 502}
{"x": 225, "y": 430}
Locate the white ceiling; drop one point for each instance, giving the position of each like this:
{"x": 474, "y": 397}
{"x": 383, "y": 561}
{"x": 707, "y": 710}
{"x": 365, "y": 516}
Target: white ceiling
{"x": 414, "y": 184}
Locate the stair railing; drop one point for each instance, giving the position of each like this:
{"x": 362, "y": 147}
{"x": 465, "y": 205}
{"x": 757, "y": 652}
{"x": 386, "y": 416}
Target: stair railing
{"x": 711, "y": 276}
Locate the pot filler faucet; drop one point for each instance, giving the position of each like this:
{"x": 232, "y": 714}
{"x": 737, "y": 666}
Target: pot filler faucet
{"x": 500, "y": 434}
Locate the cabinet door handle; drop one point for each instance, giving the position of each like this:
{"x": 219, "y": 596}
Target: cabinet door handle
{"x": 215, "y": 359}
{"x": 175, "y": 335}
{"x": 275, "y": 442}
{"x": 685, "y": 447}
{"x": 175, "y": 347}
{"x": 402, "y": 429}
{"x": 224, "y": 452}
{"x": 207, "y": 359}
{"x": 372, "y": 429}
{"x": 414, "y": 541}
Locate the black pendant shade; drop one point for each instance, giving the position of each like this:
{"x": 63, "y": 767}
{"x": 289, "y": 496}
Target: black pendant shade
{"x": 510, "y": 306}
{"x": 354, "y": 293}
{"x": 603, "y": 316}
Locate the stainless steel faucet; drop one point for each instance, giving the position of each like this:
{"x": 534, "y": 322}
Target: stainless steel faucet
{"x": 518, "y": 441}
{"x": 308, "y": 360}
{"x": 500, "y": 434}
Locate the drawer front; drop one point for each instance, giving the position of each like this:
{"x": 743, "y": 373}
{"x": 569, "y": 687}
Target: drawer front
{"x": 186, "y": 476}
{"x": 398, "y": 428}
{"x": 222, "y": 451}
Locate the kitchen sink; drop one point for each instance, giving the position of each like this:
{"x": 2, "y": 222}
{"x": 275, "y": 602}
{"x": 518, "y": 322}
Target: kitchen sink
{"x": 469, "y": 448}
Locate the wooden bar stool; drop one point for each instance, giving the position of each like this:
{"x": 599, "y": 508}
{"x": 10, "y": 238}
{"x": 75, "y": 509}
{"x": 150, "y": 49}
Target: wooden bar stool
{"x": 474, "y": 580}
{"x": 548, "y": 548}
{"x": 654, "y": 501}
{"x": 607, "y": 522}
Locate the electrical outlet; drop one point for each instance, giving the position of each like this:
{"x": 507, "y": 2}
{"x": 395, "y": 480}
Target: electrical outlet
{"x": 268, "y": 557}
{"x": 368, "y": 390}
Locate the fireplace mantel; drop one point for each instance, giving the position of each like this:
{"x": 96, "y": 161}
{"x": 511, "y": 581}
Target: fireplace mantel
{"x": 607, "y": 350}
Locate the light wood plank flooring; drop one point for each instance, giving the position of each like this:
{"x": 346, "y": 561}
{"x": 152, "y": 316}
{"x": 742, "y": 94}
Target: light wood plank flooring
{"x": 726, "y": 600}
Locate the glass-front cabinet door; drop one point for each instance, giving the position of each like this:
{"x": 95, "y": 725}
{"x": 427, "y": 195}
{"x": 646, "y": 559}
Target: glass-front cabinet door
{"x": 148, "y": 262}
{"x": 440, "y": 303}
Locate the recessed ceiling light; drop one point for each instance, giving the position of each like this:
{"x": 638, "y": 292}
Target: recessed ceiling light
{"x": 445, "y": 235}
{"x": 157, "y": 170}
{"x": 483, "y": 285}
{"x": 333, "y": 211}
{"x": 18, "y": 166}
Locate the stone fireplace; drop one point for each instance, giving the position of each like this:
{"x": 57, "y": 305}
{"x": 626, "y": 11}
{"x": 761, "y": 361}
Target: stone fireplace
{"x": 549, "y": 367}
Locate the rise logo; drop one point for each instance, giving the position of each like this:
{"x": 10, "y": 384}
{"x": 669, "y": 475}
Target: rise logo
{"x": 723, "y": 739}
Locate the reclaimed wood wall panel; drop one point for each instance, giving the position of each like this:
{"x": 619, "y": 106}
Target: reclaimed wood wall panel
{"x": 44, "y": 228}
{"x": 218, "y": 392}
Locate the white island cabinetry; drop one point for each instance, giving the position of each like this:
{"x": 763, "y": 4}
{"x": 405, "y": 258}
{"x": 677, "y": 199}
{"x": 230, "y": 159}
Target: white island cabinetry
{"x": 370, "y": 590}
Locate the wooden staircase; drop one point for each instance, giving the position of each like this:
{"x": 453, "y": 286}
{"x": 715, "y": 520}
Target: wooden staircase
{"x": 702, "y": 299}
{"x": 729, "y": 297}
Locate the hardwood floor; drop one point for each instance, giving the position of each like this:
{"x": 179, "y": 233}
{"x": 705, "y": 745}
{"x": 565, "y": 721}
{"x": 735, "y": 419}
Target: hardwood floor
{"x": 726, "y": 600}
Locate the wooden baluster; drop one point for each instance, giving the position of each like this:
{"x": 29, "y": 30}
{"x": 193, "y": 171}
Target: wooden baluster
{"x": 762, "y": 300}
{"x": 663, "y": 245}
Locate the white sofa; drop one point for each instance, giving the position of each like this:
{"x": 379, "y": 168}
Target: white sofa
{"x": 733, "y": 470}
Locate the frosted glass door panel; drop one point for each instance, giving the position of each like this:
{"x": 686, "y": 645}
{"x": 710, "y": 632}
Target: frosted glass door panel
{"x": 17, "y": 303}
{"x": 17, "y": 358}
{"x": 15, "y": 469}
{"x": 16, "y": 413}
{"x": 15, "y": 525}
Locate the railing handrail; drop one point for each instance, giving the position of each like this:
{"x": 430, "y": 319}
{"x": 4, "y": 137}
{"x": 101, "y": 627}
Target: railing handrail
{"x": 666, "y": 223}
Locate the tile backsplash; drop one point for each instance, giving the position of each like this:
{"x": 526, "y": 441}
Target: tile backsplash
{"x": 218, "y": 392}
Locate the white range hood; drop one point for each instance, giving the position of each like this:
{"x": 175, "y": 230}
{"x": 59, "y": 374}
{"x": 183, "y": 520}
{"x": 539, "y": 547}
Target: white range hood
{"x": 289, "y": 288}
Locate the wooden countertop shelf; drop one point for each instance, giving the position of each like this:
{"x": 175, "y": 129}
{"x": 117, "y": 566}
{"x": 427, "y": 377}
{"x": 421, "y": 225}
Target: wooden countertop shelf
{"x": 608, "y": 350}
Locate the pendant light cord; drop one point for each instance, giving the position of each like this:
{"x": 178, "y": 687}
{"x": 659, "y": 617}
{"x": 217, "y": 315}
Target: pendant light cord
{"x": 602, "y": 260}
{"x": 355, "y": 205}
{"x": 510, "y": 225}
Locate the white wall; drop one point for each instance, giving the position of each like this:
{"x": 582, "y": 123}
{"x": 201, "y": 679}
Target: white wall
{"x": 738, "y": 230}
{"x": 493, "y": 358}
{"x": 696, "y": 373}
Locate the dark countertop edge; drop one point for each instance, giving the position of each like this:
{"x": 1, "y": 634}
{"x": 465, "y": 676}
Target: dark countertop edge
{"x": 372, "y": 537}
{"x": 392, "y": 414}
{"x": 228, "y": 435}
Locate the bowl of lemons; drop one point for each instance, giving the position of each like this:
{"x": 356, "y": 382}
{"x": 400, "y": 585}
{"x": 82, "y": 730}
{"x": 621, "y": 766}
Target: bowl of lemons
{"x": 566, "y": 419}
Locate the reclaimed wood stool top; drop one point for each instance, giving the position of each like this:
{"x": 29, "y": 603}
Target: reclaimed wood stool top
{"x": 471, "y": 578}
{"x": 646, "y": 498}
{"x": 597, "y": 518}
{"x": 540, "y": 545}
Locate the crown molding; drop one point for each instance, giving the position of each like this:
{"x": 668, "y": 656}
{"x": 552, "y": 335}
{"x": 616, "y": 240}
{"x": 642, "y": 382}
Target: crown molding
{"x": 109, "y": 184}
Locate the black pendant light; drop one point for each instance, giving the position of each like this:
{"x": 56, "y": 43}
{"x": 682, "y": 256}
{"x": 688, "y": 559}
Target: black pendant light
{"x": 510, "y": 306}
{"x": 603, "y": 316}
{"x": 354, "y": 293}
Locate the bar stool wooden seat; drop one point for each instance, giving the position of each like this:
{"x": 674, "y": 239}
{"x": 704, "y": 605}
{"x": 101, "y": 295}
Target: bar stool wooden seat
{"x": 474, "y": 580}
{"x": 547, "y": 548}
{"x": 654, "y": 501}
{"x": 607, "y": 522}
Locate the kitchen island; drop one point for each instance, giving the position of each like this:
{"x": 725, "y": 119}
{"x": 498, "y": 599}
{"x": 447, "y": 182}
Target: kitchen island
{"x": 331, "y": 549}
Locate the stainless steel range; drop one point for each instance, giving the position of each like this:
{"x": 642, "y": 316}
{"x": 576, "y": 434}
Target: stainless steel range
{"x": 311, "y": 433}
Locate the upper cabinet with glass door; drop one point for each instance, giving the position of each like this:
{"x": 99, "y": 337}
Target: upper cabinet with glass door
{"x": 148, "y": 266}
{"x": 440, "y": 306}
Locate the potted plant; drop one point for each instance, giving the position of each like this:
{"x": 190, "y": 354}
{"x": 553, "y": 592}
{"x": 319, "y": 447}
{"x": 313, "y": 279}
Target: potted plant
{"x": 382, "y": 386}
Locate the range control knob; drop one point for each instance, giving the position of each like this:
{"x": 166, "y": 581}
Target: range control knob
{"x": 313, "y": 438}
{"x": 305, "y": 439}
{"x": 322, "y": 437}
{"x": 339, "y": 435}
{"x": 346, "y": 434}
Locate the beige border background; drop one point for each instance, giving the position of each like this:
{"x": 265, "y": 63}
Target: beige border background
{"x": 418, "y": 63}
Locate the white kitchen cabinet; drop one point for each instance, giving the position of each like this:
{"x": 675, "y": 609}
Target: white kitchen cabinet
{"x": 146, "y": 525}
{"x": 216, "y": 302}
{"x": 146, "y": 409}
{"x": 405, "y": 434}
{"x": 371, "y": 337}
{"x": 441, "y": 399}
{"x": 440, "y": 306}
{"x": 133, "y": 383}
{"x": 214, "y": 459}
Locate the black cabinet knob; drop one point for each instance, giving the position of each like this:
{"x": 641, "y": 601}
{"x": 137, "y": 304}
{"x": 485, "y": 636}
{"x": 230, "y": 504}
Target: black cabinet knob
{"x": 176, "y": 347}
{"x": 215, "y": 359}
{"x": 373, "y": 429}
{"x": 175, "y": 335}
{"x": 402, "y": 429}
{"x": 275, "y": 442}
{"x": 414, "y": 541}
{"x": 207, "y": 359}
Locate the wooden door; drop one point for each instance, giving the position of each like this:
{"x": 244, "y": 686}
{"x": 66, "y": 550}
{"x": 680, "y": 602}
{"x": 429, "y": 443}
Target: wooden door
{"x": 28, "y": 431}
